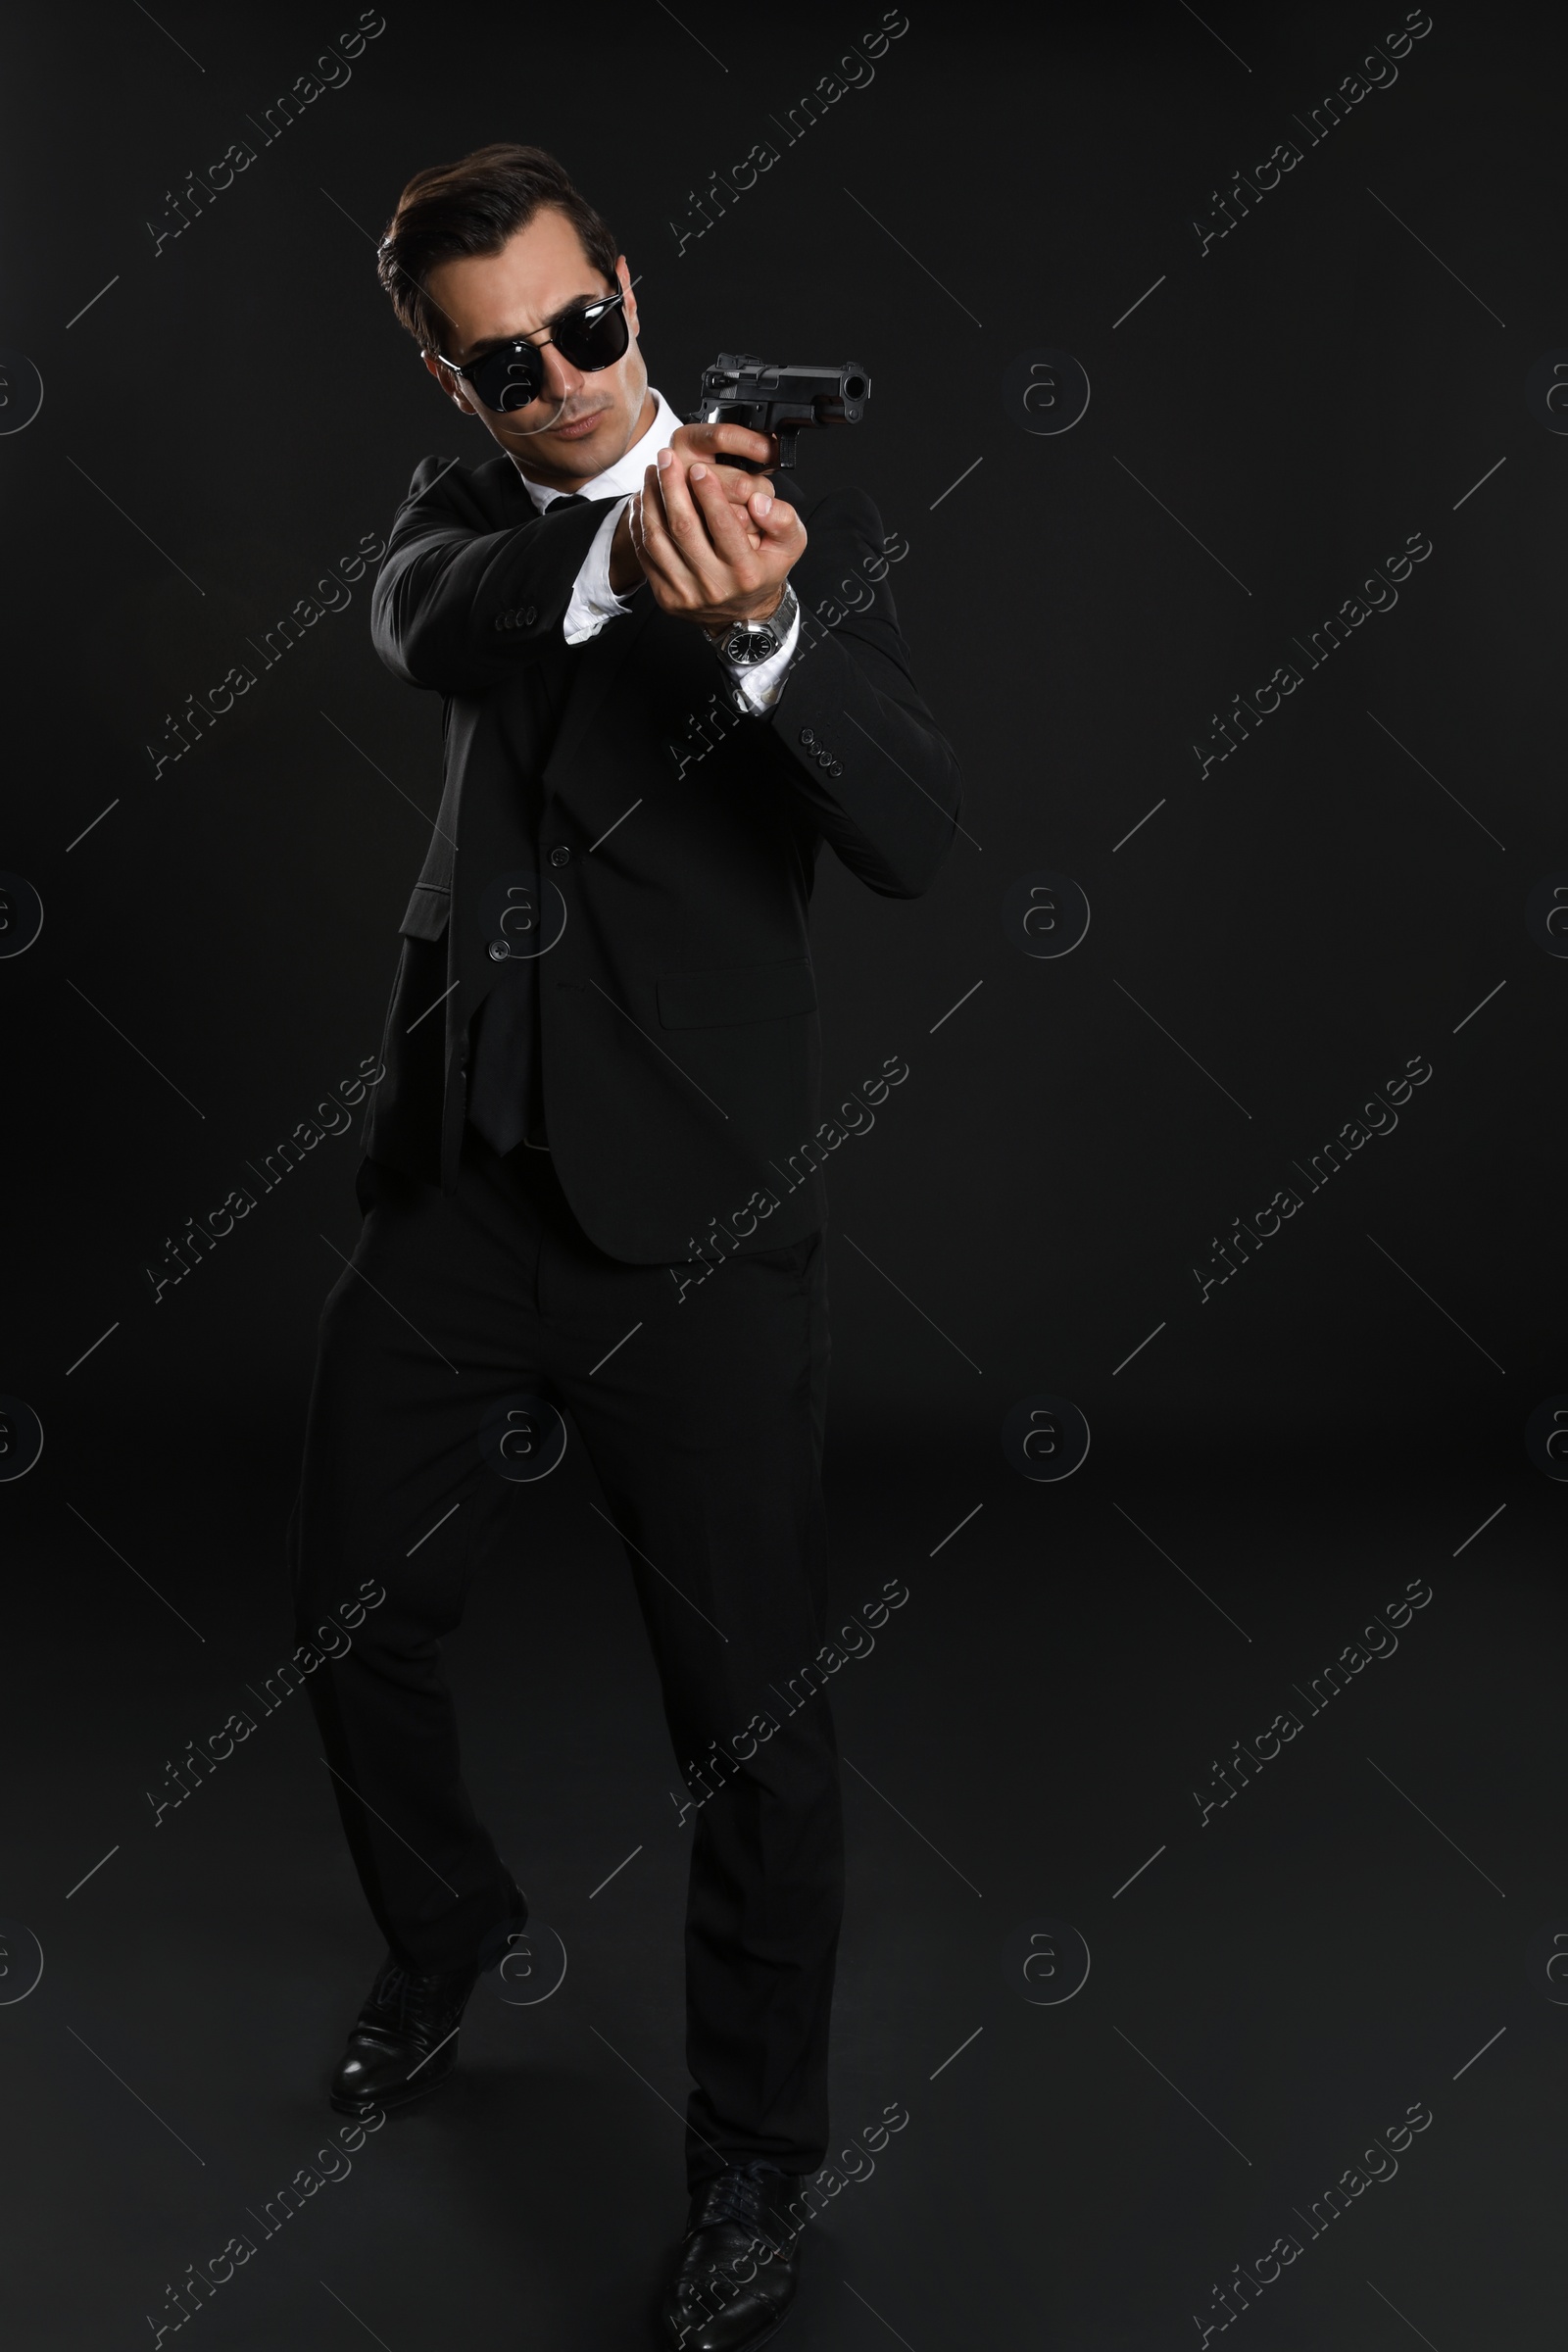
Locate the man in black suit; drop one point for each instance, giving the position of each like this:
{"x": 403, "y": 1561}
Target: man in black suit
{"x": 591, "y": 1180}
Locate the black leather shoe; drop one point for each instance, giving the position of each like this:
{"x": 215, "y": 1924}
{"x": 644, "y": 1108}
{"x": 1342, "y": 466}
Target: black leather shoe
{"x": 740, "y": 2263}
{"x": 405, "y": 2040}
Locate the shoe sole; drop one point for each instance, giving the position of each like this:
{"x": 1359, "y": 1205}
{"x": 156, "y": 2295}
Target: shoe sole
{"x": 752, "y": 2343}
{"x": 409, "y": 2095}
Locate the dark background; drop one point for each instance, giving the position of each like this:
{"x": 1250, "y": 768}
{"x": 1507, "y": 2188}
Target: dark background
{"x": 1276, "y": 941}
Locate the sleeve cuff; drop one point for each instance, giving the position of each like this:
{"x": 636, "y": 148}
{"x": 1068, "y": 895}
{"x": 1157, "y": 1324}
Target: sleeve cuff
{"x": 593, "y": 601}
{"x": 757, "y": 685}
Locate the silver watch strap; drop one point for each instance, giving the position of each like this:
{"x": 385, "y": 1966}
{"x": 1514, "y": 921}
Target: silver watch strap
{"x": 778, "y": 625}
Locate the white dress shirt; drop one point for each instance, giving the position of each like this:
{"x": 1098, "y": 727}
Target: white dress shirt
{"x": 593, "y": 601}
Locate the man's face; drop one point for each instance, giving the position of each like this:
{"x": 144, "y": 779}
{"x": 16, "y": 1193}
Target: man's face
{"x": 589, "y": 420}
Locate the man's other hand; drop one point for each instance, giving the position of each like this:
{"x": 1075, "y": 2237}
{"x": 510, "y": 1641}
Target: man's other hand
{"x": 707, "y": 556}
{"x": 708, "y": 445}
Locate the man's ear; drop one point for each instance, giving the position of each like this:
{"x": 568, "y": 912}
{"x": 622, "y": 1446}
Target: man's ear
{"x": 449, "y": 382}
{"x": 631, "y": 305}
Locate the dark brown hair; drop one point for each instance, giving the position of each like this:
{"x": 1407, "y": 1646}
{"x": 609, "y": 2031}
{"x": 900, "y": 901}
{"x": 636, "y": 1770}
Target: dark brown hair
{"x": 473, "y": 207}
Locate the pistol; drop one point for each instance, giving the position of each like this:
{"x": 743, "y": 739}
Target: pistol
{"x": 769, "y": 397}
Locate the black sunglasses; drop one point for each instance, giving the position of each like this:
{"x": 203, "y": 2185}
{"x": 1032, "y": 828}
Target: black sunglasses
{"x": 589, "y": 335}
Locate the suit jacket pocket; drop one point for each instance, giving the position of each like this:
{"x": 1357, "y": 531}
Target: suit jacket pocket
{"x": 745, "y": 992}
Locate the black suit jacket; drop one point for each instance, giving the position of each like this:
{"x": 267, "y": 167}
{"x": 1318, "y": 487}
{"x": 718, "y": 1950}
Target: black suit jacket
{"x": 677, "y": 1015}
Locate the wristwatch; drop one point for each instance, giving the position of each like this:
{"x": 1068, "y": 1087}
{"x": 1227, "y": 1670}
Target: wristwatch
{"x": 745, "y": 643}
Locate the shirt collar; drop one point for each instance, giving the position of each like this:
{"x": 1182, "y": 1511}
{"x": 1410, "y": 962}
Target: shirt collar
{"x": 628, "y": 471}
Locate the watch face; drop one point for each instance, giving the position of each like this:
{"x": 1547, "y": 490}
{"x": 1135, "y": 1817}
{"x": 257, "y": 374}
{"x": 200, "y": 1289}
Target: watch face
{"x": 752, "y": 645}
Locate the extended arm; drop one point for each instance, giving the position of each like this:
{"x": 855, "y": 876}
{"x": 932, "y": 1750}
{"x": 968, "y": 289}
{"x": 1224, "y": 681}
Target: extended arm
{"x": 866, "y": 755}
{"x": 456, "y": 601}
{"x": 877, "y": 779}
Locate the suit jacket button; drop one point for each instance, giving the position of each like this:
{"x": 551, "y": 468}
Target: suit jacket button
{"x": 560, "y": 856}
{"x": 529, "y": 616}
{"x": 806, "y": 737}
{"x": 837, "y": 769}
{"x": 824, "y": 758}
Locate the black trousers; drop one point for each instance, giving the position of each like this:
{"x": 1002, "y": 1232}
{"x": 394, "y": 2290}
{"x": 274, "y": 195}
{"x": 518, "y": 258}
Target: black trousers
{"x": 705, "y": 1429}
